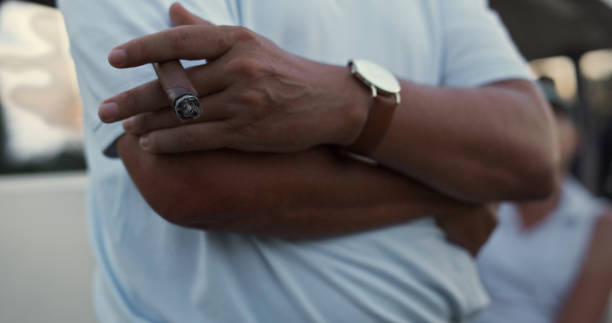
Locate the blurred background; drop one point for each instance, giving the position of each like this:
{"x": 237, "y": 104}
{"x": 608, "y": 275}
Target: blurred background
{"x": 46, "y": 267}
{"x": 45, "y": 262}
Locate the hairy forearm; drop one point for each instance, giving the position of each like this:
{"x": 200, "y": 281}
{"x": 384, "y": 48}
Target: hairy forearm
{"x": 309, "y": 194}
{"x": 479, "y": 144}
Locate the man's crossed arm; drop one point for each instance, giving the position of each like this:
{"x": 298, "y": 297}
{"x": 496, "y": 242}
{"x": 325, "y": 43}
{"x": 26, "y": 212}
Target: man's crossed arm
{"x": 309, "y": 194}
{"x": 481, "y": 145}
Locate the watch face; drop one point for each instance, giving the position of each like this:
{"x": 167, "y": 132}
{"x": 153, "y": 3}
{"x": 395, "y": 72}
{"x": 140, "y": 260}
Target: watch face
{"x": 376, "y": 75}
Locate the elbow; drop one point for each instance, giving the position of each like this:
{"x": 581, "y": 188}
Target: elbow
{"x": 525, "y": 180}
{"x": 207, "y": 211}
{"x": 536, "y": 180}
{"x": 171, "y": 188}
{"x": 205, "y": 202}
{"x": 525, "y": 173}
{"x": 178, "y": 204}
{"x": 178, "y": 197}
{"x": 171, "y": 210}
{"x": 533, "y": 173}
{"x": 537, "y": 163}
{"x": 522, "y": 162}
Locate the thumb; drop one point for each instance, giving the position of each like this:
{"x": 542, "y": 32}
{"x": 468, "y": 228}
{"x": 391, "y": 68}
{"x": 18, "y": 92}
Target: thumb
{"x": 181, "y": 16}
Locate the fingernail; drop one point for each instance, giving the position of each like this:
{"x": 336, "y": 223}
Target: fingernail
{"x": 128, "y": 124}
{"x": 144, "y": 142}
{"x": 117, "y": 57}
{"x": 108, "y": 112}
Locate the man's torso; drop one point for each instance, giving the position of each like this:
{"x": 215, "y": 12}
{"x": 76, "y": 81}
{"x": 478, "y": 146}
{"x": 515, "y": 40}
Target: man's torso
{"x": 155, "y": 271}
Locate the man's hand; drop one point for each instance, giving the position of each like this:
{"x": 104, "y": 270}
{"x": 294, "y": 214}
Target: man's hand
{"x": 470, "y": 229}
{"x": 255, "y": 96}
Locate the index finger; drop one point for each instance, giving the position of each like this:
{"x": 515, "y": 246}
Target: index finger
{"x": 180, "y": 42}
{"x": 151, "y": 96}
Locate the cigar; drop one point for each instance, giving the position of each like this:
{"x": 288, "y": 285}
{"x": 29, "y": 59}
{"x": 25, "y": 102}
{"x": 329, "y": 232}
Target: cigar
{"x": 182, "y": 95}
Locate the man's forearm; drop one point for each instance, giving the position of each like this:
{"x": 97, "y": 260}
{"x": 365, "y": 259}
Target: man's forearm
{"x": 308, "y": 194}
{"x": 489, "y": 143}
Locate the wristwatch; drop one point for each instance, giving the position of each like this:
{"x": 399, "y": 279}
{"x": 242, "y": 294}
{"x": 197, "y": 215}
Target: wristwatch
{"x": 376, "y": 77}
{"x": 383, "y": 85}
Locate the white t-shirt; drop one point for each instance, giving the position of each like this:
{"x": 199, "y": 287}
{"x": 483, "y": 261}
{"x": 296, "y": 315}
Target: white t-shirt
{"x": 152, "y": 271}
{"x": 528, "y": 272}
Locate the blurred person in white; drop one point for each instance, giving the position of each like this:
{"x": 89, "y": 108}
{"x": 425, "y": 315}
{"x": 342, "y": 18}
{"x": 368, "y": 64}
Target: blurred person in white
{"x": 550, "y": 260}
{"x": 162, "y": 214}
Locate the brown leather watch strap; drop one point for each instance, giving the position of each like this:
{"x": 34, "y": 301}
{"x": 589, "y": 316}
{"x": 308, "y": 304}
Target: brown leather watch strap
{"x": 379, "y": 118}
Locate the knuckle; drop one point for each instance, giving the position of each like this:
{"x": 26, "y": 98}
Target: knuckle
{"x": 237, "y": 131}
{"x": 135, "y": 49}
{"x": 129, "y": 103}
{"x": 188, "y": 139}
{"x": 233, "y": 125}
{"x": 153, "y": 143}
{"x": 253, "y": 99}
{"x": 139, "y": 124}
{"x": 179, "y": 39}
{"x": 140, "y": 52}
{"x": 224, "y": 36}
{"x": 245, "y": 67}
{"x": 243, "y": 34}
{"x": 248, "y": 130}
{"x": 230, "y": 139}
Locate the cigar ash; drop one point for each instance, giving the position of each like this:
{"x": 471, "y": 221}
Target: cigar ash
{"x": 187, "y": 107}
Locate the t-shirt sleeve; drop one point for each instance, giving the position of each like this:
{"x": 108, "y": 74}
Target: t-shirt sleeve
{"x": 95, "y": 27}
{"x": 477, "y": 48}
